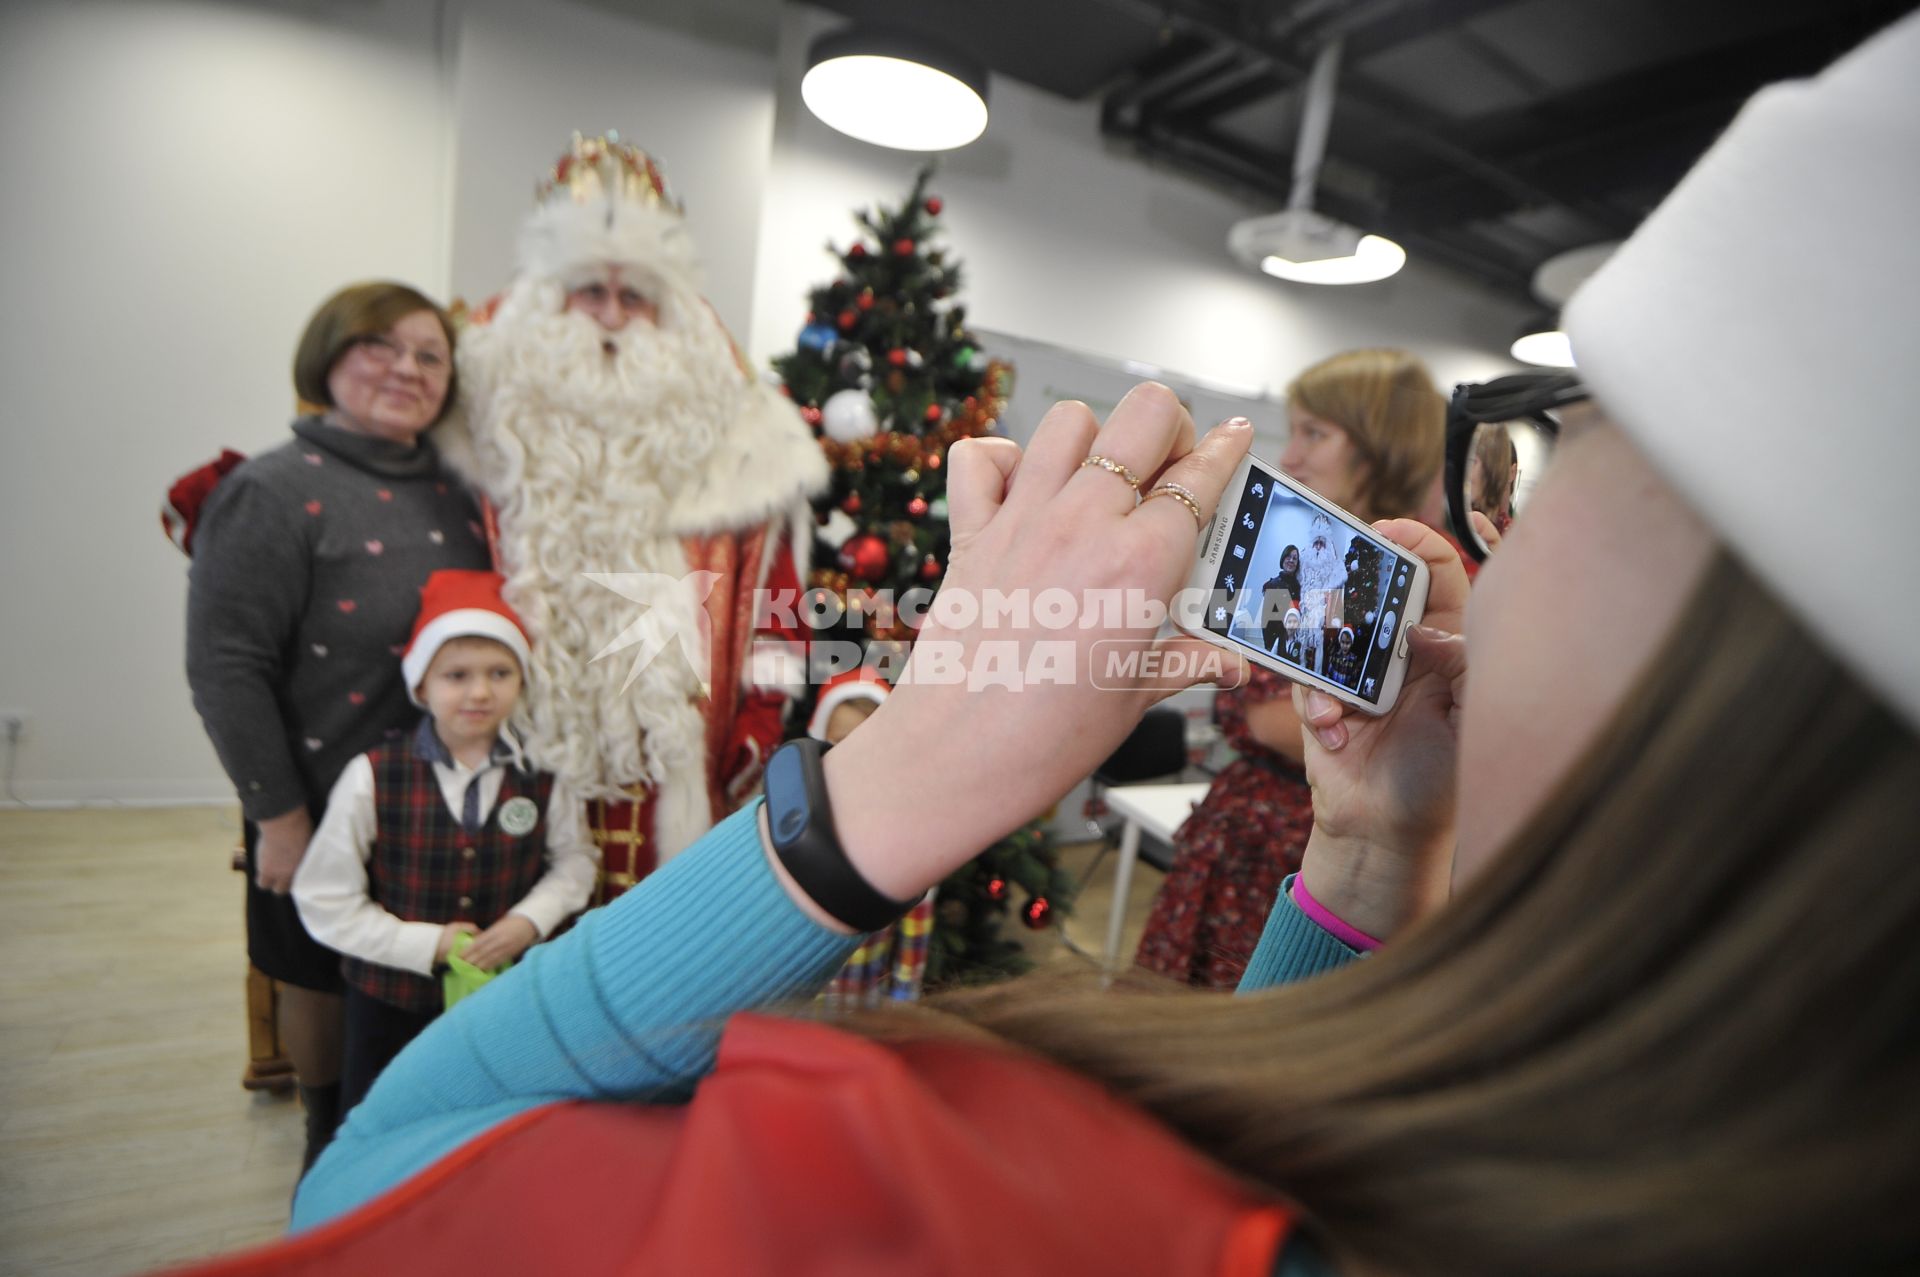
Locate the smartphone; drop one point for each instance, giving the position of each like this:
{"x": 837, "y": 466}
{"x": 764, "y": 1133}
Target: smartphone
{"x": 1293, "y": 582}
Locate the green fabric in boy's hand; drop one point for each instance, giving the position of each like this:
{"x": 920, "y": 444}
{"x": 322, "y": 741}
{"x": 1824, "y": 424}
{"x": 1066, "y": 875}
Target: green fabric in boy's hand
{"x": 462, "y": 977}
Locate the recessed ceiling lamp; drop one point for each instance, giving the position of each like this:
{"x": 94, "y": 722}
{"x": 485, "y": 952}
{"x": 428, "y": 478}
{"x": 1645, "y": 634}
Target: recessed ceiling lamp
{"x": 1542, "y": 343}
{"x": 1555, "y": 281}
{"x": 1299, "y": 244}
{"x": 895, "y": 88}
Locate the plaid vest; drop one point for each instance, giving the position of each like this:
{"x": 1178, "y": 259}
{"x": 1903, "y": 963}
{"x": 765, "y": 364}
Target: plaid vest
{"x": 425, "y": 868}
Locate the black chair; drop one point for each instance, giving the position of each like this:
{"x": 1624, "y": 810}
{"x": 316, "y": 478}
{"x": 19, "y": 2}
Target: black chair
{"x": 1156, "y": 749}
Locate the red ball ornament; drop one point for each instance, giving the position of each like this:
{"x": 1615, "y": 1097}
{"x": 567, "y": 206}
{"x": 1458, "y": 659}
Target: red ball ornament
{"x": 898, "y": 358}
{"x": 933, "y": 412}
{"x": 847, "y": 320}
{"x": 864, "y": 301}
{"x": 852, "y": 504}
{"x": 857, "y": 252}
{"x": 1038, "y": 913}
{"x": 996, "y": 888}
{"x": 932, "y": 462}
{"x": 917, "y": 507}
{"x": 930, "y": 569}
{"x": 934, "y": 205}
{"x": 810, "y": 415}
{"x": 903, "y": 247}
{"x": 866, "y": 557}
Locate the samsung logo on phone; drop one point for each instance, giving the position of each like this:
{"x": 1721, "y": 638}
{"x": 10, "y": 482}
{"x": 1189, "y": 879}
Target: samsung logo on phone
{"x": 1218, "y": 534}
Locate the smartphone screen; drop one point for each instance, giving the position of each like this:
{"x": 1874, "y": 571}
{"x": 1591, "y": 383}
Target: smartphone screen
{"x": 1308, "y": 587}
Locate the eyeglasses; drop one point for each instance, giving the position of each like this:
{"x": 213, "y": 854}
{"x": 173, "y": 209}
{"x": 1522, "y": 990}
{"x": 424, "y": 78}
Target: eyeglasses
{"x": 385, "y": 353}
{"x": 1500, "y": 435}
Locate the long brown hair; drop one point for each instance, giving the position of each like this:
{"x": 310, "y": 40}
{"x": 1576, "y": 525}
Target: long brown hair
{"x": 1493, "y": 450}
{"x": 1386, "y": 402}
{"x": 1674, "y": 1029}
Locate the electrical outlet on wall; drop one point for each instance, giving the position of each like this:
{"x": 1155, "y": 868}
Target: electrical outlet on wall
{"x": 13, "y": 724}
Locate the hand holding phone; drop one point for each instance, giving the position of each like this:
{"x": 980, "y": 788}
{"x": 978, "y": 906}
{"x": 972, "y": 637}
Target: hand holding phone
{"x": 1384, "y": 788}
{"x": 1302, "y": 587}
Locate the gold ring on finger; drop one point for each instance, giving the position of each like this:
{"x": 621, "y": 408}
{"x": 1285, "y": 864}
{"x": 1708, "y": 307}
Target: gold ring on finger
{"x": 1184, "y": 496}
{"x": 1114, "y": 467}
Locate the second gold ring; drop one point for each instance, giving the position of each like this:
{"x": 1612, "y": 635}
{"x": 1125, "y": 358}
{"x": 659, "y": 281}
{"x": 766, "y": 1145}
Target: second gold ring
{"x": 1184, "y": 496}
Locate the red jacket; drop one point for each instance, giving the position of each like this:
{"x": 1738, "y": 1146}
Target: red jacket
{"x": 809, "y": 1150}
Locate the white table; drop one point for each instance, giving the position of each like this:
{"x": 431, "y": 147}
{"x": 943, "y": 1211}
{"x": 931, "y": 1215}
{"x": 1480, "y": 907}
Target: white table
{"x": 1157, "y": 809}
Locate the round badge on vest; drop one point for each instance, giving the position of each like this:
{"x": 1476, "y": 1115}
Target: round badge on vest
{"x": 519, "y": 815}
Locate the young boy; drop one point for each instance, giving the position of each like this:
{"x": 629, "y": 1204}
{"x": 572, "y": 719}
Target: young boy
{"x": 443, "y": 833}
{"x": 1343, "y": 666}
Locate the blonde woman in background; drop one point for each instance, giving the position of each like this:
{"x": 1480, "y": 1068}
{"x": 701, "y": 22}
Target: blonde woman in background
{"x": 1368, "y": 432}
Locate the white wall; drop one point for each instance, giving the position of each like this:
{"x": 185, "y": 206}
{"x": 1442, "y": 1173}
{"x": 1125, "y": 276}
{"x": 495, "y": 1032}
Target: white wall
{"x": 185, "y": 182}
{"x": 1068, "y": 241}
{"x": 528, "y": 76}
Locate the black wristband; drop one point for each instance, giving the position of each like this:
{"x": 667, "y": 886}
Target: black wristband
{"x": 801, "y": 823}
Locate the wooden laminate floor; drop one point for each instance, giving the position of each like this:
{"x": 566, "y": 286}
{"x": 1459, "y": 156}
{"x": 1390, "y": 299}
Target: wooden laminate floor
{"x": 126, "y": 1141}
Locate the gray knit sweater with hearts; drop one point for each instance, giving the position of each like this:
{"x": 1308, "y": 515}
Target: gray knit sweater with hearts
{"x": 307, "y": 567}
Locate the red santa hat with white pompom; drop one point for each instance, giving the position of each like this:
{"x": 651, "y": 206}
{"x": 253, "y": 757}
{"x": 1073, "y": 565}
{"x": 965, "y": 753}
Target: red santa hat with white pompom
{"x": 461, "y": 604}
{"x": 854, "y": 685}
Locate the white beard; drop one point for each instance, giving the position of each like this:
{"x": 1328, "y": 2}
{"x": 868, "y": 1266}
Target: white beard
{"x": 1321, "y": 570}
{"x": 584, "y": 455}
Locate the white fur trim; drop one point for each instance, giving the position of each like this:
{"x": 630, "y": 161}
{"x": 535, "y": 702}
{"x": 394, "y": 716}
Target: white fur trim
{"x": 466, "y": 622}
{"x": 768, "y": 461}
{"x": 836, "y": 696}
{"x": 681, "y": 813}
{"x": 562, "y": 238}
{"x": 777, "y": 665}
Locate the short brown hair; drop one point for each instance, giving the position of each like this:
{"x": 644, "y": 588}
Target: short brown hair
{"x": 1387, "y": 403}
{"x": 357, "y": 311}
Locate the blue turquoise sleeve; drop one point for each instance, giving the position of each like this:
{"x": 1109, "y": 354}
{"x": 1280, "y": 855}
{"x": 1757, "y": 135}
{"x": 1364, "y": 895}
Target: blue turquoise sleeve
{"x": 628, "y": 1005}
{"x": 1292, "y": 947}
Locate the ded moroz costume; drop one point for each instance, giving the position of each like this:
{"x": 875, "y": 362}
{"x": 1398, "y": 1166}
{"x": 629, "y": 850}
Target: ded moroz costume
{"x": 643, "y": 487}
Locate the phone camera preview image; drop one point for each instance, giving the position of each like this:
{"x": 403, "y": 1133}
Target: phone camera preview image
{"x": 1312, "y": 590}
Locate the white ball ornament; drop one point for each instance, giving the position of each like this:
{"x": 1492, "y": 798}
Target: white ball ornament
{"x": 837, "y": 529}
{"x": 848, "y": 416}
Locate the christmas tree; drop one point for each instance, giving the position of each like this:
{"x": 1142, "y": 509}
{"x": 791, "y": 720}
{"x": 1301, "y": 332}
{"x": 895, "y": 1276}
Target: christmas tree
{"x": 888, "y": 376}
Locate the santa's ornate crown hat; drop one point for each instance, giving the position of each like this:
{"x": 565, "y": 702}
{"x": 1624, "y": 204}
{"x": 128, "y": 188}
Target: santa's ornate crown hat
{"x": 605, "y": 201}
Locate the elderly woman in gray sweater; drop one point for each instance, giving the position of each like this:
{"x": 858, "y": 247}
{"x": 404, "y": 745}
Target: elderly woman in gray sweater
{"x": 307, "y": 567}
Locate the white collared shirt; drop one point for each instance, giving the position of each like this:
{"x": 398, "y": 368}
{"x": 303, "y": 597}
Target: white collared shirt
{"x": 330, "y": 887}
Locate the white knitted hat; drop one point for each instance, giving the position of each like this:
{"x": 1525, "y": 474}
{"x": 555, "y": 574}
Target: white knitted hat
{"x": 1757, "y": 339}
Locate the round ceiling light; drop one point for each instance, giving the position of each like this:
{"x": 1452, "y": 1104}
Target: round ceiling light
{"x": 1543, "y": 345}
{"x": 1375, "y": 257}
{"x": 895, "y": 89}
